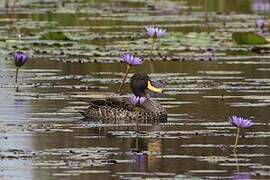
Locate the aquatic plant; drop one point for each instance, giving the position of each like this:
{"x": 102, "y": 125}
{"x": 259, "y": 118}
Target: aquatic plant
{"x": 154, "y": 33}
{"x": 158, "y": 83}
{"x": 20, "y": 59}
{"x": 136, "y": 100}
{"x": 129, "y": 60}
{"x": 239, "y": 123}
{"x": 260, "y": 6}
{"x": 260, "y": 25}
{"x": 250, "y": 38}
{"x": 241, "y": 176}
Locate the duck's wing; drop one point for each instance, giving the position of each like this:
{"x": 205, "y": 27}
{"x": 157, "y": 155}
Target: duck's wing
{"x": 119, "y": 110}
{"x": 112, "y": 102}
{"x": 110, "y": 110}
{"x": 157, "y": 112}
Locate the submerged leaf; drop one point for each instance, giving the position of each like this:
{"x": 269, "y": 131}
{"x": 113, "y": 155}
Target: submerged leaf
{"x": 248, "y": 38}
{"x": 58, "y": 35}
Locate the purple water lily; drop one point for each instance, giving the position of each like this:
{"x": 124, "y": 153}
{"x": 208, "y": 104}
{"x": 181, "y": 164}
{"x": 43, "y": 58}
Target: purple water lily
{"x": 260, "y": 6}
{"x": 159, "y": 84}
{"x": 155, "y": 32}
{"x": 131, "y": 60}
{"x": 260, "y": 23}
{"x": 240, "y": 122}
{"x": 260, "y": 26}
{"x": 20, "y": 58}
{"x": 242, "y": 176}
{"x": 136, "y": 100}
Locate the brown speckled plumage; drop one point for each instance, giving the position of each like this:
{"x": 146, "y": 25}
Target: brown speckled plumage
{"x": 120, "y": 110}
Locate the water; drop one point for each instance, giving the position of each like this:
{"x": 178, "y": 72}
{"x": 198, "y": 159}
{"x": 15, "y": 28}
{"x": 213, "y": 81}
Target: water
{"x": 42, "y": 136}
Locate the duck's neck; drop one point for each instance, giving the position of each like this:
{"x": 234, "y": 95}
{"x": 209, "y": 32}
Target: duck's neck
{"x": 139, "y": 94}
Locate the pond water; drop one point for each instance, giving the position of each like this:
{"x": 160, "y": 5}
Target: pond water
{"x": 75, "y": 47}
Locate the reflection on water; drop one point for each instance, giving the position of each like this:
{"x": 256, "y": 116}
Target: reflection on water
{"x": 13, "y": 123}
{"x": 139, "y": 162}
{"x": 238, "y": 174}
{"x": 40, "y": 129}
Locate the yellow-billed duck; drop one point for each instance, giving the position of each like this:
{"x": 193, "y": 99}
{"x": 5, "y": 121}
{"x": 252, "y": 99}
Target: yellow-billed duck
{"x": 127, "y": 110}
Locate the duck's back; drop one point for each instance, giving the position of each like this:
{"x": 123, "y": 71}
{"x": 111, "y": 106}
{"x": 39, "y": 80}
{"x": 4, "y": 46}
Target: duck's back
{"x": 116, "y": 110}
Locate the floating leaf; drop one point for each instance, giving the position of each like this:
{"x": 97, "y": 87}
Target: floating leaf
{"x": 58, "y": 35}
{"x": 248, "y": 38}
{"x": 193, "y": 39}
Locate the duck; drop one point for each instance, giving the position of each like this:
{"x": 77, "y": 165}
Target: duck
{"x": 117, "y": 110}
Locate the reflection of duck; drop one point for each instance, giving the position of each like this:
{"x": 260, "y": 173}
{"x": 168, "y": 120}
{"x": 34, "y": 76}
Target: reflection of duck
{"x": 139, "y": 161}
{"x": 120, "y": 109}
{"x": 138, "y": 157}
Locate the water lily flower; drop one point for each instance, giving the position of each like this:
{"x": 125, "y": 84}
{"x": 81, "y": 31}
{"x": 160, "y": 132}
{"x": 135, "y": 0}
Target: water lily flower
{"x": 260, "y": 23}
{"x": 159, "y": 84}
{"x": 260, "y": 6}
{"x": 155, "y": 32}
{"x": 20, "y": 59}
{"x": 136, "y": 100}
{"x": 239, "y": 123}
{"x": 130, "y": 60}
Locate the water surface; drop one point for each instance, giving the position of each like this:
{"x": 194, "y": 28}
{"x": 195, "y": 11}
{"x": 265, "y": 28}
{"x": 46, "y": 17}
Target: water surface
{"x": 208, "y": 79}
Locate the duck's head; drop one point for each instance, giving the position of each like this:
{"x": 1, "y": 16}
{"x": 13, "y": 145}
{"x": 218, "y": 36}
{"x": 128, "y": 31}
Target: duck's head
{"x": 140, "y": 82}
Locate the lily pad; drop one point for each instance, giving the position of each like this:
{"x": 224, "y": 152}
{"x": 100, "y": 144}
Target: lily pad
{"x": 57, "y": 35}
{"x": 248, "y": 38}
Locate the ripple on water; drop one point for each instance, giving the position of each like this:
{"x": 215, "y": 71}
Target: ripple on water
{"x": 62, "y": 75}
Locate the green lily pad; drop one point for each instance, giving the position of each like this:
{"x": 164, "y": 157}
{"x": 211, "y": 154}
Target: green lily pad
{"x": 57, "y": 35}
{"x": 192, "y": 39}
{"x": 248, "y": 38}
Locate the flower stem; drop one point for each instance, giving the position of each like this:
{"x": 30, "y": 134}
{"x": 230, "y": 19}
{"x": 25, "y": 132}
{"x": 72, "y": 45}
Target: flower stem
{"x": 137, "y": 144}
{"x": 236, "y": 139}
{"x": 236, "y": 162}
{"x": 137, "y": 125}
{"x": 151, "y": 55}
{"x": 123, "y": 82}
{"x": 137, "y": 108}
{"x": 152, "y": 48}
{"x": 17, "y": 72}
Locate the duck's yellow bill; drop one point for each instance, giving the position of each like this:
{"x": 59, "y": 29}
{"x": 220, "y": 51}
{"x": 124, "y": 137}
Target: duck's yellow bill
{"x": 152, "y": 88}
